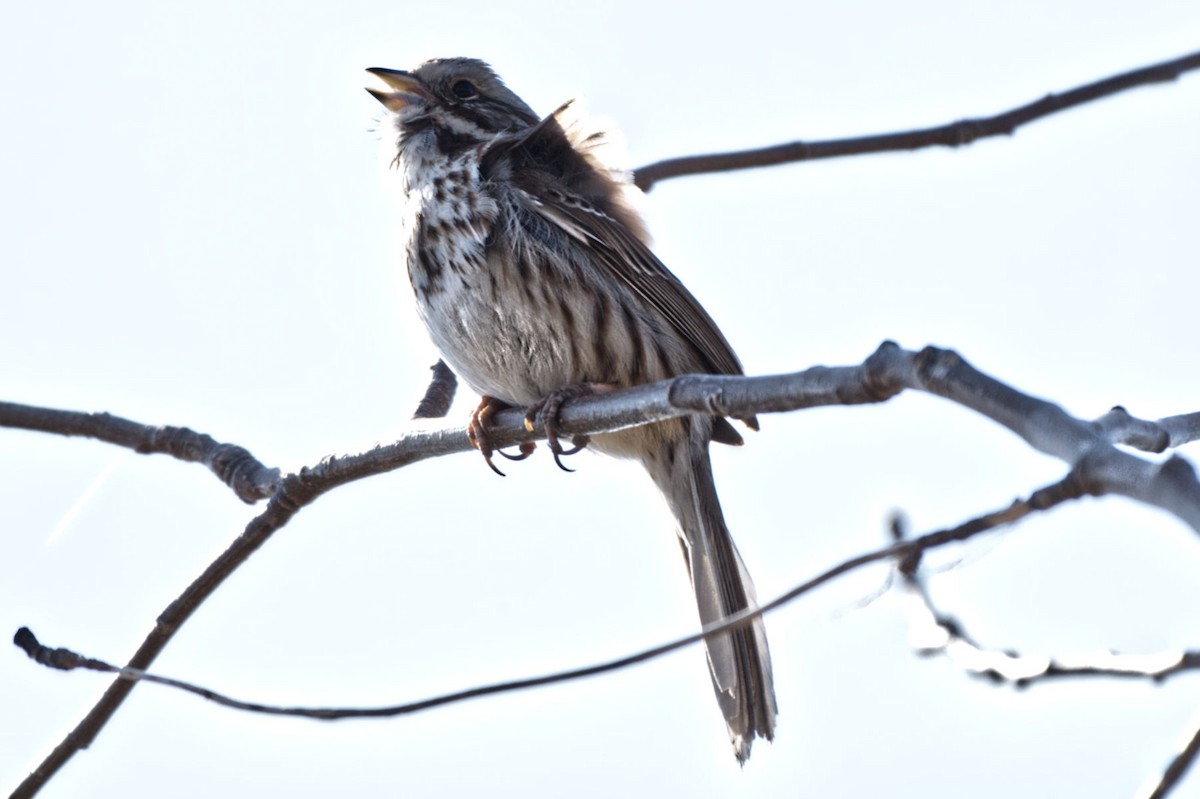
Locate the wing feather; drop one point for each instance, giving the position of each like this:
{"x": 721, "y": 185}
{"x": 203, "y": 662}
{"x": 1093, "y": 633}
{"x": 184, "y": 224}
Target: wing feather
{"x": 610, "y": 243}
{"x": 564, "y": 184}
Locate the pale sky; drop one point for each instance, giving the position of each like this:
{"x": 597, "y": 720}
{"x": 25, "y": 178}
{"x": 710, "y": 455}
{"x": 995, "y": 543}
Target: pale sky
{"x": 199, "y": 228}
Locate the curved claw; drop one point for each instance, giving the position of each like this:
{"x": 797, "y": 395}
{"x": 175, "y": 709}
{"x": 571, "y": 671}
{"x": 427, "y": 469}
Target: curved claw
{"x": 487, "y": 457}
{"x": 557, "y": 455}
{"x": 549, "y": 407}
{"x": 579, "y": 444}
{"x": 477, "y": 432}
{"x": 526, "y": 449}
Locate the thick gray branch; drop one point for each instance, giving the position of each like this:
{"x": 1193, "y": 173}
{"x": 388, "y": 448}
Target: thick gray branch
{"x": 1085, "y": 446}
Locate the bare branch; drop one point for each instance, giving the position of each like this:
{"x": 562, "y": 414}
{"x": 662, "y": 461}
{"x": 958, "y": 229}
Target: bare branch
{"x": 235, "y": 466}
{"x": 1157, "y": 436}
{"x": 1105, "y": 469}
{"x": 942, "y": 633}
{"x": 888, "y": 371}
{"x": 288, "y": 498}
{"x": 906, "y": 551}
{"x": 954, "y": 134}
{"x": 1178, "y": 767}
{"x": 440, "y": 394}
{"x": 1097, "y": 468}
{"x": 934, "y": 632}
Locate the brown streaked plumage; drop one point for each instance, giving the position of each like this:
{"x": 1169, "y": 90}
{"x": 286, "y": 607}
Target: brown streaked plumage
{"x": 533, "y": 275}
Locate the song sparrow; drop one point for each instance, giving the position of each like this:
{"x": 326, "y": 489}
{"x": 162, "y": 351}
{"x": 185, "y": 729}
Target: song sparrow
{"x": 533, "y": 275}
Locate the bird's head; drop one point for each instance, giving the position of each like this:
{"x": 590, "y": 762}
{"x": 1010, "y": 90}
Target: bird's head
{"x": 461, "y": 100}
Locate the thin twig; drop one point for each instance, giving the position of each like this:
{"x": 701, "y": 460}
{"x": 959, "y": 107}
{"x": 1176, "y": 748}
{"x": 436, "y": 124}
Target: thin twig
{"x": 904, "y": 551}
{"x": 1175, "y": 771}
{"x": 949, "y": 636}
{"x": 953, "y": 134}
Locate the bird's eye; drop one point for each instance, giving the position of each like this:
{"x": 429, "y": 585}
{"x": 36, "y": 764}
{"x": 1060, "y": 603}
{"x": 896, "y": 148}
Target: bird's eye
{"x": 464, "y": 89}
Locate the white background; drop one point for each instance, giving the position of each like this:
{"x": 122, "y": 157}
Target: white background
{"x": 198, "y": 227}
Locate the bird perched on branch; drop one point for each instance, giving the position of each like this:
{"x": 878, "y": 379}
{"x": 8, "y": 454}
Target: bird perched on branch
{"x": 533, "y": 275}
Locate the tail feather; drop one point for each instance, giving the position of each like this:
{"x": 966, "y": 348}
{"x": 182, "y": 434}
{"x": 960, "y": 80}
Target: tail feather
{"x": 739, "y": 662}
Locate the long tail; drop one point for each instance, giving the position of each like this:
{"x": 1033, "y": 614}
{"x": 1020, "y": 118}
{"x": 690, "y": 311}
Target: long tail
{"x": 739, "y": 662}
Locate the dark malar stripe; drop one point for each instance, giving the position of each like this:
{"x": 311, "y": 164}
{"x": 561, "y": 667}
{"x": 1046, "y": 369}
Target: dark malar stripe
{"x": 451, "y": 144}
{"x": 476, "y": 118}
{"x": 492, "y": 117}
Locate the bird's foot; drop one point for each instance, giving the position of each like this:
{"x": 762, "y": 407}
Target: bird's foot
{"x": 547, "y": 410}
{"x": 480, "y": 439}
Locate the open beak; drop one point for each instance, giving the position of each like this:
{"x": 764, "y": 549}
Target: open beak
{"x": 405, "y": 89}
